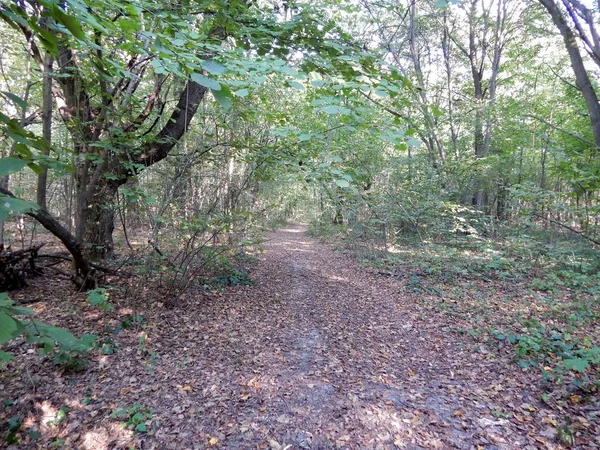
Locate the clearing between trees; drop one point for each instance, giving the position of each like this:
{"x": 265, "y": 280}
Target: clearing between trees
{"x": 319, "y": 353}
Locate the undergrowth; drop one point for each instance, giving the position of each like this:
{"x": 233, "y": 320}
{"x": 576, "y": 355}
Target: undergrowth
{"x": 532, "y": 291}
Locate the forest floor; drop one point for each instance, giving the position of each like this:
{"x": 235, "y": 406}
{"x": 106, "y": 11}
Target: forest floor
{"x": 318, "y": 353}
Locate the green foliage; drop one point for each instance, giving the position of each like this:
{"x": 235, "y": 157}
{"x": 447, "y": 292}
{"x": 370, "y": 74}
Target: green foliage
{"x": 130, "y": 321}
{"x": 107, "y": 346}
{"x": 133, "y": 417}
{"x": 555, "y": 350}
{"x": 542, "y": 285}
{"x": 71, "y": 352}
{"x": 228, "y": 274}
{"x": 61, "y": 416}
{"x": 75, "y": 357}
{"x": 11, "y": 205}
{"x": 11, "y": 165}
{"x": 14, "y": 424}
{"x": 100, "y": 298}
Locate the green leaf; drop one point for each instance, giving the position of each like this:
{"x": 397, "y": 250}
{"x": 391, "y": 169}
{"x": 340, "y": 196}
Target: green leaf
{"x": 70, "y": 22}
{"x": 158, "y": 66}
{"x": 60, "y": 335}
{"x": 129, "y": 25}
{"x": 342, "y": 183}
{"x": 10, "y": 205}
{"x": 87, "y": 340}
{"x": 19, "y": 311}
{"x": 436, "y": 111}
{"x": 206, "y": 82}
{"x": 4, "y": 300}
{"x": 224, "y": 97}
{"x": 213, "y": 67}
{"x": 14, "y": 423}
{"x": 141, "y": 427}
{"x": 8, "y": 328}
{"x": 242, "y": 93}
{"x": 12, "y": 438}
{"x": 289, "y": 70}
{"x": 34, "y": 434}
{"x": 295, "y": 85}
{"x": 6, "y": 357}
{"x": 577, "y": 364}
{"x": 333, "y": 109}
{"x": 36, "y": 168}
{"x": 11, "y": 165}
{"x": 48, "y": 39}
{"x": 15, "y": 98}
{"x": 23, "y": 150}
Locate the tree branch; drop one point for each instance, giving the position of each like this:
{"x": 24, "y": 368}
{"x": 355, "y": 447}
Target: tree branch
{"x": 562, "y": 130}
{"x": 568, "y": 228}
{"x": 175, "y": 127}
{"x": 52, "y": 225}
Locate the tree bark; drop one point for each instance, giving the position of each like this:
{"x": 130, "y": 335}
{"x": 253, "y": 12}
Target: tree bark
{"x": 98, "y": 222}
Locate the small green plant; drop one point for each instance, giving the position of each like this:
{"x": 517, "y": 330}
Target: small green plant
{"x": 57, "y": 443}
{"x": 107, "y": 346}
{"x": 229, "y": 274}
{"x": 100, "y": 298}
{"x": 71, "y": 352}
{"x": 61, "y": 415}
{"x": 73, "y": 356}
{"x": 559, "y": 351}
{"x": 499, "y": 414}
{"x": 142, "y": 348}
{"x": 133, "y": 417}
{"x": 14, "y": 424}
{"x": 130, "y": 321}
{"x": 72, "y": 360}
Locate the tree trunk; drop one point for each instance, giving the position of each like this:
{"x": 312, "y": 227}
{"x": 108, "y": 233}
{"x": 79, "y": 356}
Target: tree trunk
{"x": 98, "y": 221}
{"x": 582, "y": 78}
{"x": 46, "y": 128}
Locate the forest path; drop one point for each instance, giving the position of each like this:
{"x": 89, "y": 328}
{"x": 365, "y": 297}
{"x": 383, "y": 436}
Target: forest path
{"x": 317, "y": 354}
{"x": 320, "y": 354}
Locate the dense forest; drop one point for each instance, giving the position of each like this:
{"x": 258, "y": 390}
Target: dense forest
{"x": 313, "y": 225}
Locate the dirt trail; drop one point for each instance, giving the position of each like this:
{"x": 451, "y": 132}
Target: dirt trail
{"x": 331, "y": 357}
{"x": 316, "y": 354}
